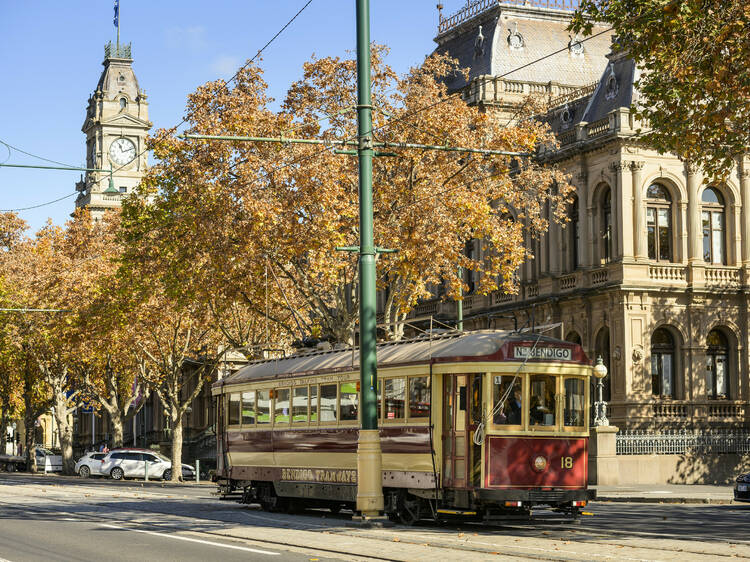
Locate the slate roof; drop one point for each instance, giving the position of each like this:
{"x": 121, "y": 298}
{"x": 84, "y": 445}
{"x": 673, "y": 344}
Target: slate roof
{"x": 543, "y": 31}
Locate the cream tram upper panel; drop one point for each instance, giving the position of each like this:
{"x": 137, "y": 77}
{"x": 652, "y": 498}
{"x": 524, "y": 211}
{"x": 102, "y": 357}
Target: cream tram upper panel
{"x": 463, "y": 347}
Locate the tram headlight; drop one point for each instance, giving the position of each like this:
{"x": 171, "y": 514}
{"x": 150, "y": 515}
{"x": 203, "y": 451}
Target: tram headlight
{"x": 540, "y": 464}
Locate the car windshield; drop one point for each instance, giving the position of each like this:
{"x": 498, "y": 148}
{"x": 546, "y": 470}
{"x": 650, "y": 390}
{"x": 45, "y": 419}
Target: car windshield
{"x": 43, "y": 451}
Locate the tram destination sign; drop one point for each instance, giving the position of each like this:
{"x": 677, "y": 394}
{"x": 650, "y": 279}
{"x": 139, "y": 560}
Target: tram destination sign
{"x": 544, "y": 353}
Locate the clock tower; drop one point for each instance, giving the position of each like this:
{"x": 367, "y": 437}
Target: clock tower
{"x": 116, "y": 127}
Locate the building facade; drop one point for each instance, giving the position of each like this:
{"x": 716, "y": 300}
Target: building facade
{"x": 116, "y": 127}
{"x": 651, "y": 270}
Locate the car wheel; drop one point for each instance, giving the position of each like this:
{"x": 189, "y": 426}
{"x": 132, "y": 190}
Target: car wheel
{"x": 167, "y": 474}
{"x": 84, "y": 471}
{"x": 117, "y": 473}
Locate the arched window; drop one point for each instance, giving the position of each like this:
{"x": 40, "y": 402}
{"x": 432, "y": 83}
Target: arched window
{"x": 606, "y": 226}
{"x": 574, "y": 236}
{"x": 717, "y": 365}
{"x": 662, "y": 363}
{"x": 659, "y": 222}
{"x": 573, "y": 337}
{"x": 123, "y": 103}
{"x": 712, "y": 216}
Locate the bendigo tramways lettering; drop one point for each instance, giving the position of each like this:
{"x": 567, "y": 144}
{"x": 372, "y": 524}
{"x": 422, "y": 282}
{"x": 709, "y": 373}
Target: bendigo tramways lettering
{"x": 339, "y": 476}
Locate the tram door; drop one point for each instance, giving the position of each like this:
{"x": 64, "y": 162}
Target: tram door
{"x": 461, "y": 410}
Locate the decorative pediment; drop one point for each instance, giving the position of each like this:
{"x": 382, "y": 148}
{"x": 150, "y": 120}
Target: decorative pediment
{"x": 125, "y": 120}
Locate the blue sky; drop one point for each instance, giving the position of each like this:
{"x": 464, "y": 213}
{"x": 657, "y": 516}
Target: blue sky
{"x": 52, "y": 53}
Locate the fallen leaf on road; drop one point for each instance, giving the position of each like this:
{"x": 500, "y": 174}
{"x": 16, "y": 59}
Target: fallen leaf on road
{"x": 396, "y": 539}
{"x": 545, "y": 533}
{"x": 460, "y": 534}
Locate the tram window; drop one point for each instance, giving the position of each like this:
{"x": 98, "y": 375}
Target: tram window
{"x": 248, "y": 408}
{"x": 299, "y": 404}
{"x": 264, "y": 406}
{"x": 419, "y": 397}
{"x": 395, "y": 396}
{"x": 574, "y": 400}
{"x": 234, "y": 409}
{"x": 507, "y": 395}
{"x": 314, "y": 403}
{"x": 348, "y": 401}
{"x": 327, "y": 402}
{"x": 542, "y": 400}
{"x": 281, "y": 405}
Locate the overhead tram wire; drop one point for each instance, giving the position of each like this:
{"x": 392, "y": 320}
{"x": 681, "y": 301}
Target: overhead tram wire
{"x": 182, "y": 121}
{"x": 39, "y": 205}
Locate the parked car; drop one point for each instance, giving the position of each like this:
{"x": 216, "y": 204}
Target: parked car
{"x": 742, "y": 488}
{"x": 90, "y": 464}
{"x": 131, "y": 463}
{"x": 47, "y": 461}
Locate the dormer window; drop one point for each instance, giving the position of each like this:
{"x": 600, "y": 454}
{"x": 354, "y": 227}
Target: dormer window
{"x": 123, "y": 103}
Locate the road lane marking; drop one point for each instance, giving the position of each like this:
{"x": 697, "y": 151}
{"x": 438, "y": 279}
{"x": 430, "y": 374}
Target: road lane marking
{"x": 179, "y": 538}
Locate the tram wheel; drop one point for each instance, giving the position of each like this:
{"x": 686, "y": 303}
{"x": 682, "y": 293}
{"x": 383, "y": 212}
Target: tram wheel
{"x": 408, "y": 509}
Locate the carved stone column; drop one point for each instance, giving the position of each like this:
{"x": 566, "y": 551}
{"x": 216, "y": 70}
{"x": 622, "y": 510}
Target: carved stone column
{"x": 744, "y": 172}
{"x": 695, "y": 232}
{"x": 584, "y": 241}
{"x": 639, "y": 234}
{"x": 622, "y": 211}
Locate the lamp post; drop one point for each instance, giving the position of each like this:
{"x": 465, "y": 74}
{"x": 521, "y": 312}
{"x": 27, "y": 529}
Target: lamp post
{"x": 600, "y": 371}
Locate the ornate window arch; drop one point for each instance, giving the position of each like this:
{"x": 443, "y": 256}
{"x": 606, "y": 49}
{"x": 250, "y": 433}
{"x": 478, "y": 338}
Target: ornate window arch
{"x": 713, "y": 218}
{"x": 659, "y": 212}
{"x": 717, "y": 365}
{"x": 574, "y": 337}
{"x": 663, "y": 351}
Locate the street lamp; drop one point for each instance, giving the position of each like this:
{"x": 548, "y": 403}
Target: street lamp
{"x": 600, "y": 371}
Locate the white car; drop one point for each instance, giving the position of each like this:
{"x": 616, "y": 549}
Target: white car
{"x": 90, "y": 464}
{"x": 131, "y": 463}
{"x": 47, "y": 461}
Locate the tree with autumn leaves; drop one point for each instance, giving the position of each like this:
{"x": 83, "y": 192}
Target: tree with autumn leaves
{"x": 694, "y": 84}
{"x": 232, "y": 211}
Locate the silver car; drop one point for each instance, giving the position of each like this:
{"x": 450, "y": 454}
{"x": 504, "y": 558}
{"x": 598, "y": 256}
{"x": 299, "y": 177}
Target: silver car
{"x": 133, "y": 463}
{"x": 90, "y": 464}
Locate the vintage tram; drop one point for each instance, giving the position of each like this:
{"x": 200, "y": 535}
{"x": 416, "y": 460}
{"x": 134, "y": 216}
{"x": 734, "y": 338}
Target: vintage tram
{"x": 485, "y": 424}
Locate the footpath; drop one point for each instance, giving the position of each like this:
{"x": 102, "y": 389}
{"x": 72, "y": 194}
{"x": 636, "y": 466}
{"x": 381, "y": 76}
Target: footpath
{"x": 666, "y": 493}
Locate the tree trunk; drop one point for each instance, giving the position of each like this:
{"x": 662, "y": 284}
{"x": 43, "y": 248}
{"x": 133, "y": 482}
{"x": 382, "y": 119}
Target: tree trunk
{"x": 64, "y": 433}
{"x": 177, "y": 450}
{"x": 4, "y": 429}
{"x": 117, "y": 430}
{"x": 29, "y": 427}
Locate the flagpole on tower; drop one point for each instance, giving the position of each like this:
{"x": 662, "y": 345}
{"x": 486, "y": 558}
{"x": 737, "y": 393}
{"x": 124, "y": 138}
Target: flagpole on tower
{"x": 117, "y": 22}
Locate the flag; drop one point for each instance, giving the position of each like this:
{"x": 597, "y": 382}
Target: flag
{"x": 117, "y": 13}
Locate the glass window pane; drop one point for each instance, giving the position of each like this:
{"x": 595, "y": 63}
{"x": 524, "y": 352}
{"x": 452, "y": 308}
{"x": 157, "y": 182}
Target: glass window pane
{"x": 705, "y": 217}
{"x": 651, "y": 242}
{"x": 666, "y": 374}
{"x": 348, "y": 401}
{"x": 313, "y": 403}
{"x": 299, "y": 404}
{"x": 248, "y": 408}
{"x": 234, "y": 409}
{"x": 574, "y": 400}
{"x": 721, "y": 379}
{"x": 327, "y": 402}
{"x": 281, "y": 409}
{"x": 665, "y": 244}
{"x": 655, "y": 379}
{"x": 717, "y": 238}
{"x": 395, "y": 396}
{"x": 507, "y": 400}
{"x": 264, "y": 406}
{"x": 542, "y": 400}
{"x": 419, "y": 398}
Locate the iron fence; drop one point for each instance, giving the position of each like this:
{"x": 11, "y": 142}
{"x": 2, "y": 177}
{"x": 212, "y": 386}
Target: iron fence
{"x": 682, "y": 441}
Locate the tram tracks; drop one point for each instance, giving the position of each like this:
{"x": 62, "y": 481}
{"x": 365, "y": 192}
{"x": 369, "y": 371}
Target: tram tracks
{"x": 547, "y": 541}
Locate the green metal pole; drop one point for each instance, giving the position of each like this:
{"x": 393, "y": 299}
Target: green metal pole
{"x": 460, "y": 301}
{"x": 369, "y": 462}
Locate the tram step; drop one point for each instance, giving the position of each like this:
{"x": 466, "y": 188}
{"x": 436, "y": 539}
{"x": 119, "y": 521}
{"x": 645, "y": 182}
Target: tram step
{"x": 455, "y": 512}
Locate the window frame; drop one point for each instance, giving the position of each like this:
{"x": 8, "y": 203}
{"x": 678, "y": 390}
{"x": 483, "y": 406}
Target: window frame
{"x": 712, "y": 209}
{"x": 657, "y": 204}
{"x": 713, "y": 351}
{"x": 658, "y": 352}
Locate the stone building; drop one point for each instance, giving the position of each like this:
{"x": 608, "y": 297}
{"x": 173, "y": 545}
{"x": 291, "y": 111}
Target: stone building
{"x": 650, "y": 272}
{"x": 116, "y": 126}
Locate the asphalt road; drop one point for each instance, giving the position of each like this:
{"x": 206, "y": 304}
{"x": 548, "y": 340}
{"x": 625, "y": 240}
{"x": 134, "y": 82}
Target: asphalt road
{"x": 55, "y": 518}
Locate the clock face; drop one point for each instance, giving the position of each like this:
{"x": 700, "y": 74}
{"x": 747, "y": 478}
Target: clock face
{"x": 121, "y": 151}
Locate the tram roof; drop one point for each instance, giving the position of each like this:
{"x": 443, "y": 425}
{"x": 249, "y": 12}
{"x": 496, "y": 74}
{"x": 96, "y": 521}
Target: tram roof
{"x": 471, "y": 346}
